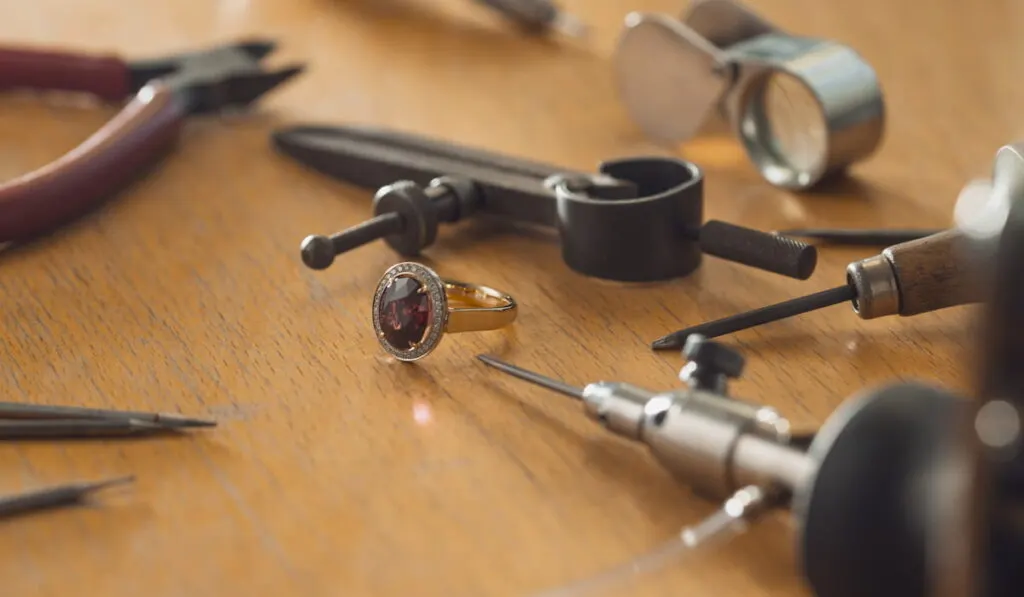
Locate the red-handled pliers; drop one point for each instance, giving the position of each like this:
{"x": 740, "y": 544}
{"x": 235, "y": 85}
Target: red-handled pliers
{"x": 162, "y": 92}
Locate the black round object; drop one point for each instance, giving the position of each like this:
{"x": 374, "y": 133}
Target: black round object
{"x": 465, "y": 197}
{"x": 318, "y": 251}
{"x": 864, "y": 514}
{"x": 714, "y": 358}
{"x": 419, "y": 218}
{"x": 650, "y": 237}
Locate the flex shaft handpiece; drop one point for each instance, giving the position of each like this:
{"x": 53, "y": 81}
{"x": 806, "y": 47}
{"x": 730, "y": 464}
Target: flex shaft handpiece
{"x": 716, "y": 444}
{"x": 858, "y": 489}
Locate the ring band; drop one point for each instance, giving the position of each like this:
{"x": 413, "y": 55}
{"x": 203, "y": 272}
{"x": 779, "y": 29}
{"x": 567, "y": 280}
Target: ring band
{"x": 413, "y": 308}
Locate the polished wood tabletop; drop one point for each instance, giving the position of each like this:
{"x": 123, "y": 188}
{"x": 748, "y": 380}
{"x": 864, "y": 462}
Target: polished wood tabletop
{"x": 338, "y": 471}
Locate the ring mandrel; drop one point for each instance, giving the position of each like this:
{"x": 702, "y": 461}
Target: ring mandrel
{"x": 803, "y": 108}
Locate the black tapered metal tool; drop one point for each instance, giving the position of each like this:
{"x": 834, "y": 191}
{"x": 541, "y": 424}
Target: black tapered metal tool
{"x": 17, "y": 410}
{"x": 56, "y": 496}
{"x": 538, "y": 16}
{"x": 639, "y": 219}
{"x": 910, "y": 278}
{"x": 907, "y": 279}
{"x": 860, "y": 237}
{"x": 749, "y": 319}
{"x": 79, "y": 429}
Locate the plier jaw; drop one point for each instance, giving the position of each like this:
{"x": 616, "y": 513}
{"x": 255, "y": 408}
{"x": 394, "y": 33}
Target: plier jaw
{"x": 141, "y": 72}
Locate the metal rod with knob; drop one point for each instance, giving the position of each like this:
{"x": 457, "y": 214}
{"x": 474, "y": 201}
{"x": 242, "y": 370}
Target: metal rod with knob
{"x": 405, "y": 214}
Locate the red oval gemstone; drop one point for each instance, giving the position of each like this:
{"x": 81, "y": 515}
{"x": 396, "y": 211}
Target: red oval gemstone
{"x": 405, "y": 313}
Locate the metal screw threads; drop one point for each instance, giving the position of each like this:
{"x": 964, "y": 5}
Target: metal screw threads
{"x": 406, "y": 216}
{"x": 770, "y": 252}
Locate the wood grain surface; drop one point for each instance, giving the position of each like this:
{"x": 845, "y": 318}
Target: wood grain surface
{"x": 337, "y": 471}
{"x": 932, "y": 273}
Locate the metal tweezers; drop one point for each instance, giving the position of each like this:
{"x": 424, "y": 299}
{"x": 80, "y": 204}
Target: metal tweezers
{"x": 28, "y": 421}
{"x": 20, "y": 421}
{"x": 55, "y": 496}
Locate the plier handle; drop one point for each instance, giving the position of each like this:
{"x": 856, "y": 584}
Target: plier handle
{"x": 160, "y": 93}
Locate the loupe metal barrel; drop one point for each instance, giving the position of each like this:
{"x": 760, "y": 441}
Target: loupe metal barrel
{"x": 805, "y": 109}
{"x": 785, "y": 131}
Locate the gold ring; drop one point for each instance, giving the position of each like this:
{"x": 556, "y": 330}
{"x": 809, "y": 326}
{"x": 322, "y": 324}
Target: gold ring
{"x": 411, "y": 310}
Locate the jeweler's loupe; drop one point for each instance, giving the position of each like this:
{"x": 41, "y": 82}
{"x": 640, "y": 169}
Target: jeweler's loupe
{"x": 803, "y": 108}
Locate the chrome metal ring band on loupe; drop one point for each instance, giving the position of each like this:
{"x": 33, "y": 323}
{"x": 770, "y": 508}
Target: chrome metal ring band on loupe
{"x": 803, "y": 108}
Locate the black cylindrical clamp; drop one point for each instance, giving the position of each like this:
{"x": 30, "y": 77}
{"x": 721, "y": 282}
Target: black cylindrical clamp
{"x": 637, "y": 220}
{"x": 659, "y": 232}
{"x": 640, "y": 238}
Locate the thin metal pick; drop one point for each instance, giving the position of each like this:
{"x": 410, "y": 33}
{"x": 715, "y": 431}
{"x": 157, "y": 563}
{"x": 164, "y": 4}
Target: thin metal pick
{"x": 78, "y": 428}
{"x": 756, "y": 317}
{"x": 534, "y": 378}
{"x": 58, "y": 495}
{"x": 16, "y": 410}
{"x": 860, "y": 237}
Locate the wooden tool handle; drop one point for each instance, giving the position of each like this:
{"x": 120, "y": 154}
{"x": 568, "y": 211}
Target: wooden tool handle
{"x": 106, "y": 77}
{"x": 933, "y": 273}
{"x": 81, "y": 179}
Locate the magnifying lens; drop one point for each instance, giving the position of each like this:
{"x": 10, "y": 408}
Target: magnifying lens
{"x": 803, "y": 108}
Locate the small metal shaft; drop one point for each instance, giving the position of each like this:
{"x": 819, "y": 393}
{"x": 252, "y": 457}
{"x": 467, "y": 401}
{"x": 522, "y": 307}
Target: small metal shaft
{"x": 59, "y": 495}
{"x": 534, "y": 378}
{"x": 736, "y": 323}
{"x": 17, "y": 410}
{"x": 76, "y": 428}
{"x": 538, "y": 15}
{"x": 319, "y": 251}
{"x": 864, "y": 237}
